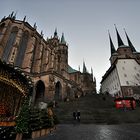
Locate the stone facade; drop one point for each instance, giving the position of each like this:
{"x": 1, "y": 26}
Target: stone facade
{"x": 45, "y": 61}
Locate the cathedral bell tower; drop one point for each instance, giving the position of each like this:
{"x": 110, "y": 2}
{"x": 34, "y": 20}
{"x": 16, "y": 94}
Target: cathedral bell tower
{"x": 63, "y": 49}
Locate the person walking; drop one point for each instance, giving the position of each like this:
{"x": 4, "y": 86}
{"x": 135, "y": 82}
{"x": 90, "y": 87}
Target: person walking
{"x": 74, "y": 115}
{"x": 78, "y": 116}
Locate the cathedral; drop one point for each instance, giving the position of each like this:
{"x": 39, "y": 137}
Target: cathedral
{"x": 45, "y": 61}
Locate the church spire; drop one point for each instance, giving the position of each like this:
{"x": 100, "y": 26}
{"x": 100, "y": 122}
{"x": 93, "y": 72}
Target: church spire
{"x": 63, "y": 39}
{"x": 35, "y": 27}
{"x": 79, "y": 68}
{"x": 129, "y": 42}
{"x": 24, "y": 18}
{"x": 111, "y": 45}
{"x": 84, "y": 67}
{"x": 12, "y": 14}
{"x": 14, "y": 17}
{"x": 55, "y": 33}
{"x": 91, "y": 71}
{"x": 120, "y": 42}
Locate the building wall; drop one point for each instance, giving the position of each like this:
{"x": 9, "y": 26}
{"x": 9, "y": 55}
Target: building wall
{"x": 111, "y": 84}
{"x": 45, "y": 61}
{"x": 129, "y": 72}
{"x": 125, "y": 74}
{"x": 121, "y": 80}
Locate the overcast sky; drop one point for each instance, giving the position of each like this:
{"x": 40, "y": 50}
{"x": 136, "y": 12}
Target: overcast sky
{"x": 85, "y": 24}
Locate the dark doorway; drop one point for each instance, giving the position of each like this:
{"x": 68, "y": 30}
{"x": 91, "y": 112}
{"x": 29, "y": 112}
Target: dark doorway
{"x": 40, "y": 90}
{"x": 58, "y": 90}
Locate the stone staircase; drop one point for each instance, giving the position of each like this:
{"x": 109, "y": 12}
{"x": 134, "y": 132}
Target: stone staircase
{"x": 93, "y": 108}
{"x": 97, "y": 109}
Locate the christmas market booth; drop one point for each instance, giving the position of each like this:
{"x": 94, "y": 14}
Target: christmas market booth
{"x": 125, "y": 103}
{"x": 18, "y": 118}
{"x": 14, "y": 87}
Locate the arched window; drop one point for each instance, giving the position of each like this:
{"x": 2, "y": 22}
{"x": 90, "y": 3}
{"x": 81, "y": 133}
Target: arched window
{"x": 40, "y": 91}
{"x": 9, "y": 44}
{"x": 22, "y": 49}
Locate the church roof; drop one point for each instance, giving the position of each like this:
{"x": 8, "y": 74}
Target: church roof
{"x": 71, "y": 70}
{"x": 124, "y": 46}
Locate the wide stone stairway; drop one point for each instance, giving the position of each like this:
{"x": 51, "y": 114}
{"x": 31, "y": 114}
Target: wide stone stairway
{"x": 94, "y": 108}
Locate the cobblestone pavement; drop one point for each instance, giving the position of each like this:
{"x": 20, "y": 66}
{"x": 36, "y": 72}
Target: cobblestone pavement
{"x": 94, "y": 132}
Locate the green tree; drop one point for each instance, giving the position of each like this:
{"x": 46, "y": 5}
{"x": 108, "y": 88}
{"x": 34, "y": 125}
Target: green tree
{"x": 46, "y": 121}
{"x": 22, "y": 121}
{"x": 34, "y": 119}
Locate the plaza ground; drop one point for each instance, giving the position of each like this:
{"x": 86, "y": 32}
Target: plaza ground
{"x": 94, "y": 132}
{"x": 100, "y": 120}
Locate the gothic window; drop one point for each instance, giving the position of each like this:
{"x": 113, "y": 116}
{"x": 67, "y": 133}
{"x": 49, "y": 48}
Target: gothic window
{"x": 22, "y": 49}
{"x": 40, "y": 90}
{"x": 9, "y": 44}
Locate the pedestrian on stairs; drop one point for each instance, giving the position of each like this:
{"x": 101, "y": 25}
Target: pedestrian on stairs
{"x": 74, "y": 115}
{"x": 78, "y": 116}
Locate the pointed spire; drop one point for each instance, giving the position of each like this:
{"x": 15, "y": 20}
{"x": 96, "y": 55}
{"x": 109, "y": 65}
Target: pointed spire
{"x": 129, "y": 42}
{"x": 120, "y": 42}
{"x": 63, "y": 39}
{"x": 35, "y": 25}
{"x": 24, "y": 18}
{"x": 3, "y": 18}
{"x": 84, "y": 67}
{"x": 14, "y": 17}
{"x": 42, "y": 33}
{"x": 55, "y": 33}
{"x": 91, "y": 71}
{"x": 12, "y": 14}
{"x": 79, "y": 67}
{"x": 113, "y": 50}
